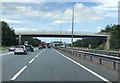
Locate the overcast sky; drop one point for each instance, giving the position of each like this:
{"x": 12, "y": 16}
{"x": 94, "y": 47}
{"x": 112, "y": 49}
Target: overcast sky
{"x": 41, "y": 15}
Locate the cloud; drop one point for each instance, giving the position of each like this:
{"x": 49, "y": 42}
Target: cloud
{"x": 112, "y": 14}
{"x": 37, "y": 1}
{"x": 11, "y": 21}
{"x": 99, "y": 28}
{"x": 109, "y": 7}
{"x": 58, "y": 0}
{"x": 29, "y": 11}
{"x": 21, "y": 30}
{"x": 82, "y": 14}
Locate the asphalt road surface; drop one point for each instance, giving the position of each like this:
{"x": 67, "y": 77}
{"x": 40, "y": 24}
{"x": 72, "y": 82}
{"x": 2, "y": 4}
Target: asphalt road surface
{"x": 50, "y": 65}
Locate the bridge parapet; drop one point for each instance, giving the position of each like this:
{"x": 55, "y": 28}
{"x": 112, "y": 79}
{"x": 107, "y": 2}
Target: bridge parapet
{"x": 58, "y": 33}
{"x": 103, "y": 33}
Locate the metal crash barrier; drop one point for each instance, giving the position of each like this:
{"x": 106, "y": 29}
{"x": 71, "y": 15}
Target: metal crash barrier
{"x": 114, "y": 59}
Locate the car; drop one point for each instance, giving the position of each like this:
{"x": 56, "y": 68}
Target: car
{"x": 20, "y": 49}
{"x": 40, "y": 47}
{"x": 44, "y": 47}
{"x": 29, "y": 48}
{"x": 48, "y": 46}
{"x": 12, "y": 48}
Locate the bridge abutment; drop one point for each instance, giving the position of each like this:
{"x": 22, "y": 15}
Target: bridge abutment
{"x": 19, "y": 39}
{"x": 107, "y": 43}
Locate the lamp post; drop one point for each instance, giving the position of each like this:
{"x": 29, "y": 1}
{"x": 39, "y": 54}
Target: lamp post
{"x": 60, "y": 33}
{"x": 72, "y": 27}
{"x": 19, "y": 39}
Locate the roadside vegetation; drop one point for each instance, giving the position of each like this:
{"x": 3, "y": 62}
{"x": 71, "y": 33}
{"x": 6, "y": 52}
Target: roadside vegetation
{"x": 3, "y": 48}
{"x": 95, "y": 43}
{"x": 10, "y": 39}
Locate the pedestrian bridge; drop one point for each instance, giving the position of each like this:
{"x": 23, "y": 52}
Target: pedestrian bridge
{"x": 66, "y": 34}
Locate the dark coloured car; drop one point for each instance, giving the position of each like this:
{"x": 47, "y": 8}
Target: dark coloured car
{"x": 44, "y": 47}
{"x": 29, "y": 48}
{"x": 49, "y": 46}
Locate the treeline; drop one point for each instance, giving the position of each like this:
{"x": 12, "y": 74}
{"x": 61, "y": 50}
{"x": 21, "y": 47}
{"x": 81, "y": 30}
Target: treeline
{"x": 30, "y": 40}
{"x": 8, "y": 35}
{"x": 88, "y": 42}
{"x": 114, "y": 31}
{"x": 96, "y": 43}
{"x": 10, "y": 39}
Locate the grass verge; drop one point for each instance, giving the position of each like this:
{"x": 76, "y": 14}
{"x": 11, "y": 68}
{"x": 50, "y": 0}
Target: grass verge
{"x": 3, "y": 48}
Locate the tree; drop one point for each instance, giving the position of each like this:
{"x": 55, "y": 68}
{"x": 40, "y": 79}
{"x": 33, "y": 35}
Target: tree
{"x": 31, "y": 40}
{"x": 77, "y": 43}
{"x": 85, "y": 42}
{"x": 8, "y": 35}
{"x": 115, "y": 37}
{"x": 114, "y": 31}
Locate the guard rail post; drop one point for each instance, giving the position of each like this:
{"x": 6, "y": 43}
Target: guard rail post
{"x": 90, "y": 58}
{"x": 114, "y": 65}
{"x": 84, "y": 56}
{"x": 78, "y": 54}
{"x": 100, "y": 61}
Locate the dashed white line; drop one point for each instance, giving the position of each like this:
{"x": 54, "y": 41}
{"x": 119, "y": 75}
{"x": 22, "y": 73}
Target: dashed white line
{"x": 39, "y": 53}
{"x": 14, "y": 77}
{"x": 36, "y": 56}
{"x": 92, "y": 72}
{"x": 32, "y": 60}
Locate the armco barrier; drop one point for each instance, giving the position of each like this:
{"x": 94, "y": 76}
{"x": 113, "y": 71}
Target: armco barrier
{"x": 115, "y": 60}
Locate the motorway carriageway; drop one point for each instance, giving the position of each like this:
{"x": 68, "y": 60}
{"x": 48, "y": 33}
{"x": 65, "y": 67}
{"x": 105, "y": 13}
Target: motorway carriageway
{"x": 51, "y": 65}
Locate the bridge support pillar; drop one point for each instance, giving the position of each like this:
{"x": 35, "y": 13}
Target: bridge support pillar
{"x": 19, "y": 39}
{"x": 107, "y": 43}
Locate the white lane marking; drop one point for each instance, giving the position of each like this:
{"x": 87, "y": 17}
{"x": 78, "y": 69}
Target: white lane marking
{"x": 39, "y": 53}
{"x": 92, "y": 72}
{"x": 6, "y": 53}
{"x": 36, "y": 56}
{"x": 15, "y": 76}
{"x": 32, "y": 60}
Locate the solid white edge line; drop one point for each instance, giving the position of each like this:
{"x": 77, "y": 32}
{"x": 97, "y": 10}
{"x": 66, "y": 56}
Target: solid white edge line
{"x": 32, "y": 60}
{"x": 92, "y": 72}
{"x": 15, "y": 76}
